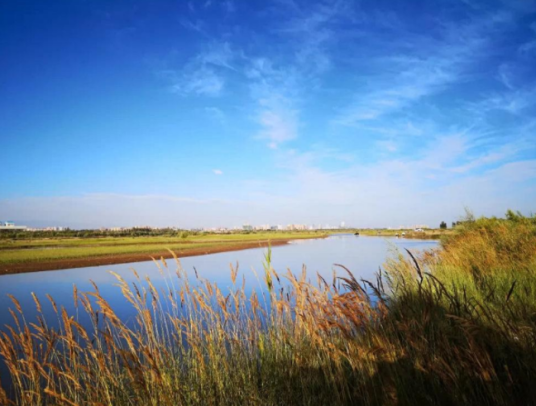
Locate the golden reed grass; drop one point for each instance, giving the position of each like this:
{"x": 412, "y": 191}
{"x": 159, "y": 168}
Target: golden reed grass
{"x": 454, "y": 326}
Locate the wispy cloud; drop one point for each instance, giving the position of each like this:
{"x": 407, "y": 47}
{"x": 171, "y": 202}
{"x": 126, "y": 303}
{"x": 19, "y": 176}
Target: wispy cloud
{"x": 198, "y": 26}
{"x": 217, "y": 54}
{"x": 514, "y": 101}
{"x": 279, "y": 122}
{"x": 421, "y": 67}
{"x": 446, "y": 176}
{"x": 203, "y": 82}
{"x": 275, "y": 92}
{"x": 311, "y": 26}
{"x": 506, "y": 76}
{"x": 464, "y": 156}
{"x": 499, "y": 155}
{"x": 217, "y": 172}
{"x": 203, "y": 74}
{"x": 279, "y": 87}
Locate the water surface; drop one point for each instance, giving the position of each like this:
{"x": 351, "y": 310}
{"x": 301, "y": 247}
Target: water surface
{"x": 362, "y": 255}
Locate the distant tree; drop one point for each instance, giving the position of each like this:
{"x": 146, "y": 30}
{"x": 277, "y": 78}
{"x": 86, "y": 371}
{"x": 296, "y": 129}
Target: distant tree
{"x": 514, "y": 216}
{"x": 469, "y": 216}
{"x": 443, "y": 225}
{"x": 454, "y": 223}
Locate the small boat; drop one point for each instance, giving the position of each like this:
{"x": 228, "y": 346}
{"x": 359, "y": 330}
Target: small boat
{"x": 356, "y": 233}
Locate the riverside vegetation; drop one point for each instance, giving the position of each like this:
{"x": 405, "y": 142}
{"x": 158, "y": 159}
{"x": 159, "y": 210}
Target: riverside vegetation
{"x": 452, "y": 326}
{"x": 26, "y": 251}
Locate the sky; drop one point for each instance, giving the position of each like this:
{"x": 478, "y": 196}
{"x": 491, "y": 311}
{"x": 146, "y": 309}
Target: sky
{"x": 219, "y": 113}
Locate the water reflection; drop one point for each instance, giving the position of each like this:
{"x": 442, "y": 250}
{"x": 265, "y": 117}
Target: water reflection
{"x": 362, "y": 255}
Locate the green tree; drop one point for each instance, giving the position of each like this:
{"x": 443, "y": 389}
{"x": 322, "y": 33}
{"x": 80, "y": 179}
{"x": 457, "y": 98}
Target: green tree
{"x": 514, "y": 216}
{"x": 443, "y": 225}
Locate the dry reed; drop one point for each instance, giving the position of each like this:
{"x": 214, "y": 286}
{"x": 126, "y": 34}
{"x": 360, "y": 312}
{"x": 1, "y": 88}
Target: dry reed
{"x": 453, "y": 327}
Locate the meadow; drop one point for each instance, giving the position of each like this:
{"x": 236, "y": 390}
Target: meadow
{"x": 426, "y": 234}
{"x": 20, "y": 254}
{"x": 452, "y": 326}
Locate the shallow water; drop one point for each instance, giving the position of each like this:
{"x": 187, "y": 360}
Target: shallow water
{"x": 362, "y": 255}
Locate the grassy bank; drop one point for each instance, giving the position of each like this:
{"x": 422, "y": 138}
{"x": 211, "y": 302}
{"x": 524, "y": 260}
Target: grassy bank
{"x": 48, "y": 253}
{"x": 457, "y": 326}
{"x": 427, "y": 234}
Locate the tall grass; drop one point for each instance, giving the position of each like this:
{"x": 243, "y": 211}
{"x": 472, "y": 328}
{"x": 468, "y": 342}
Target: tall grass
{"x": 456, "y": 326}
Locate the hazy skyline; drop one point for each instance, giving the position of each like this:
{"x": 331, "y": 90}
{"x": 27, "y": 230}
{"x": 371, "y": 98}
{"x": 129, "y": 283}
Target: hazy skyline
{"x": 219, "y": 113}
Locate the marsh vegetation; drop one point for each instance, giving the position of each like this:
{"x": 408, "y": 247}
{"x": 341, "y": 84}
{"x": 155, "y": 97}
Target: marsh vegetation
{"x": 61, "y": 251}
{"x": 452, "y": 326}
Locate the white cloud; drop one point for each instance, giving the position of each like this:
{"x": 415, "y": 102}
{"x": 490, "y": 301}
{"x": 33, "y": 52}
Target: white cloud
{"x": 385, "y": 193}
{"x": 506, "y": 75}
{"x": 426, "y": 189}
{"x": 276, "y": 95}
{"x": 498, "y": 155}
{"x": 279, "y": 126}
{"x": 203, "y": 82}
{"x": 278, "y": 88}
{"x": 217, "y": 171}
{"x": 203, "y": 74}
{"x": 448, "y": 166}
{"x": 422, "y": 67}
{"x": 512, "y": 101}
{"x": 217, "y": 54}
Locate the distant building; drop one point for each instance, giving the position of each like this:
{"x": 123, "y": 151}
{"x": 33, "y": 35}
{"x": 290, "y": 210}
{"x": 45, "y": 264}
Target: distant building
{"x": 247, "y": 227}
{"x": 292, "y": 227}
{"x": 10, "y": 225}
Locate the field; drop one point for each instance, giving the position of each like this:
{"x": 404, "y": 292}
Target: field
{"x": 427, "y": 234}
{"x": 64, "y": 252}
{"x": 22, "y": 255}
{"x": 452, "y": 327}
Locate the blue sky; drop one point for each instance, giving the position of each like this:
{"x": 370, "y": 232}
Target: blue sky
{"x": 217, "y": 113}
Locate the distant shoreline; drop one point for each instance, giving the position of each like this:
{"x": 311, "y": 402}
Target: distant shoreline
{"x": 412, "y": 235}
{"x": 90, "y": 261}
{"x": 161, "y": 251}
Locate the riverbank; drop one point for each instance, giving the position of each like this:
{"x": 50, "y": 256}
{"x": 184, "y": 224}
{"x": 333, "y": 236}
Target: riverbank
{"x": 57, "y": 254}
{"x": 453, "y": 326}
{"x": 427, "y": 234}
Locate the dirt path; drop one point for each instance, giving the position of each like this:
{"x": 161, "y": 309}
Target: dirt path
{"x": 69, "y": 263}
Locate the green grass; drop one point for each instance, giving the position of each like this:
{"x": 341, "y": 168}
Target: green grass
{"x": 455, "y": 326}
{"x": 434, "y": 234}
{"x": 53, "y": 249}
